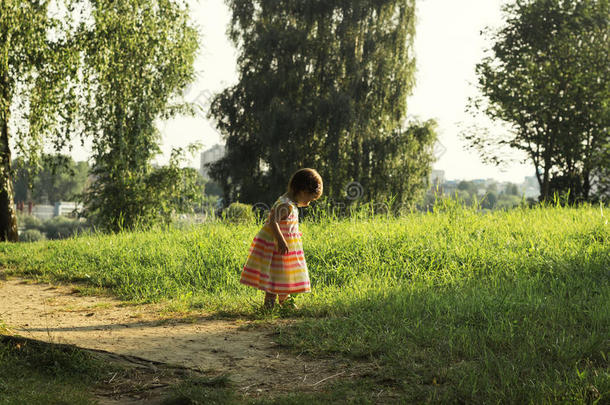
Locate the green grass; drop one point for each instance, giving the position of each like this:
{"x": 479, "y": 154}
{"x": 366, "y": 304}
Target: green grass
{"x": 201, "y": 391}
{"x": 218, "y": 390}
{"x": 455, "y": 306}
{"x": 37, "y": 373}
{"x": 40, "y": 373}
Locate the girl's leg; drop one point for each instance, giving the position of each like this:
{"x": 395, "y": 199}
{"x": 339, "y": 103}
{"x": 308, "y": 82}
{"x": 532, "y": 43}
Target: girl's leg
{"x": 287, "y": 300}
{"x": 269, "y": 300}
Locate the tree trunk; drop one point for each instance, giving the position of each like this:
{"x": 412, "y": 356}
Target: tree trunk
{"x": 544, "y": 187}
{"x": 586, "y": 184}
{"x": 8, "y": 219}
{"x": 547, "y": 156}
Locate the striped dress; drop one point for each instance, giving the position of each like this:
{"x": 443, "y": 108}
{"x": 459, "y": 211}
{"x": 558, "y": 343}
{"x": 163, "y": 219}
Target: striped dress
{"x": 271, "y": 271}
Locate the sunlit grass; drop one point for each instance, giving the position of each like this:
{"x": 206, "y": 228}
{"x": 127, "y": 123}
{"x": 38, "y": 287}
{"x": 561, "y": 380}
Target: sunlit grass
{"x": 456, "y": 305}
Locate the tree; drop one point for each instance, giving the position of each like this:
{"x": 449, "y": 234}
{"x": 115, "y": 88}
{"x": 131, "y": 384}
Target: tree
{"x": 212, "y": 188}
{"x": 138, "y": 56}
{"x": 173, "y": 189}
{"x": 322, "y": 84}
{"x": 548, "y": 77}
{"x": 59, "y": 179}
{"x": 489, "y": 200}
{"x": 468, "y": 186}
{"x": 37, "y": 60}
{"x": 507, "y": 201}
{"x": 511, "y": 189}
{"x": 600, "y": 181}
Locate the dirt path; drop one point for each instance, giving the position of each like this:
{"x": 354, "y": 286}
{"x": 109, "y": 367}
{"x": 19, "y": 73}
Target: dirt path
{"x": 249, "y": 355}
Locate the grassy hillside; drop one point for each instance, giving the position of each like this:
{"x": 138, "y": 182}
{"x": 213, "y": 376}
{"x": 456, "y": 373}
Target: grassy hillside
{"x": 454, "y": 306}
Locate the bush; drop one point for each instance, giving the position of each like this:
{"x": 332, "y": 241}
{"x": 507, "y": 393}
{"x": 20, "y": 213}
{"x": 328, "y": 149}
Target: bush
{"x": 508, "y": 201}
{"x": 31, "y": 235}
{"x": 31, "y": 222}
{"x": 61, "y": 227}
{"x": 239, "y": 213}
{"x": 139, "y": 201}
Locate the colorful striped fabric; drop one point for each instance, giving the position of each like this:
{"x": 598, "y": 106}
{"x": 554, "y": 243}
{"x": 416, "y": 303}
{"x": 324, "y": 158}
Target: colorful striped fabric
{"x": 267, "y": 269}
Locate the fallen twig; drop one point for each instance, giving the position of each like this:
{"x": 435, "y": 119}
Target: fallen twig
{"x": 133, "y": 390}
{"x": 327, "y": 378}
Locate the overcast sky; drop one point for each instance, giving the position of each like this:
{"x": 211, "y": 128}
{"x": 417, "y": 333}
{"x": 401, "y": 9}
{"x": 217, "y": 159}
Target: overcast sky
{"x": 448, "y": 45}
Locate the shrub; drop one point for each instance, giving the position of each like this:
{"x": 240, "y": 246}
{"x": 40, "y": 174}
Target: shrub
{"x": 239, "y": 213}
{"x": 61, "y": 227}
{"x": 31, "y": 222}
{"x": 31, "y": 235}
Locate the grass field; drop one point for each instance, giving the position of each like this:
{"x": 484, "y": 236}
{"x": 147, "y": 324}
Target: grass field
{"x": 454, "y": 306}
{"x": 32, "y": 373}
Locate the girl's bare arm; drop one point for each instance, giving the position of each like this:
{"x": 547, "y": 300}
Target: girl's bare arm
{"x": 279, "y": 213}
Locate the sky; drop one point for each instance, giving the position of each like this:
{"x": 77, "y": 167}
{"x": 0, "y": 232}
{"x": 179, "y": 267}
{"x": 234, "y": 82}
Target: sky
{"x": 448, "y": 45}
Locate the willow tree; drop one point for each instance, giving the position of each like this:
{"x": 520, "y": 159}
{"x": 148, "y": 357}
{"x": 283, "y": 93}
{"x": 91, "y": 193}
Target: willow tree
{"x": 37, "y": 59}
{"x": 138, "y": 58}
{"x": 323, "y": 84}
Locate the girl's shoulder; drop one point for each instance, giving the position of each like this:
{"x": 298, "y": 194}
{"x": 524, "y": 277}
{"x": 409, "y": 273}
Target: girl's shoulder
{"x": 284, "y": 199}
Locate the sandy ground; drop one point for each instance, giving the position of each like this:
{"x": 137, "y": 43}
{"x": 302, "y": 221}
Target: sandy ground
{"x": 246, "y": 352}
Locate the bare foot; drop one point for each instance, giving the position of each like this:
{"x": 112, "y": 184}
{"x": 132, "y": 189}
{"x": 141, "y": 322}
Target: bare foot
{"x": 288, "y": 302}
{"x": 269, "y": 300}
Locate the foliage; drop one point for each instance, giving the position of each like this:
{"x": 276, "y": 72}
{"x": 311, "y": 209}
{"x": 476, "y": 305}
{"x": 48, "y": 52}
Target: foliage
{"x": 31, "y": 235}
{"x": 239, "y": 213}
{"x": 59, "y": 179}
{"x": 60, "y": 227}
{"x": 474, "y": 194}
{"x": 138, "y": 56}
{"x": 489, "y": 200}
{"x": 159, "y": 194}
{"x": 322, "y": 85}
{"x": 212, "y": 189}
{"x": 174, "y": 189}
{"x": 548, "y": 77}
{"x": 31, "y": 222}
{"x": 507, "y": 201}
{"x": 37, "y": 60}
{"x": 600, "y": 185}
{"x": 512, "y": 189}
{"x": 210, "y": 204}
{"x": 468, "y": 186}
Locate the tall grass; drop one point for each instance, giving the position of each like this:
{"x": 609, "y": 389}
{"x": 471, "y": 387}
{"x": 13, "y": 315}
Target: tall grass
{"x": 455, "y": 305}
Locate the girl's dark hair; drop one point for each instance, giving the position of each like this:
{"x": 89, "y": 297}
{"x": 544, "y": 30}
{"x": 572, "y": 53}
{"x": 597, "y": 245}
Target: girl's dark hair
{"x": 308, "y": 180}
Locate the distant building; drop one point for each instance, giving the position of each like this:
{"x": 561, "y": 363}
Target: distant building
{"x": 211, "y": 155}
{"x": 45, "y": 212}
{"x": 530, "y": 187}
{"x": 66, "y": 208}
{"x": 530, "y": 181}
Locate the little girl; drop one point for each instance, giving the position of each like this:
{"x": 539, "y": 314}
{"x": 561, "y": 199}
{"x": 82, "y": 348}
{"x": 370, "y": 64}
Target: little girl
{"x": 276, "y": 263}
